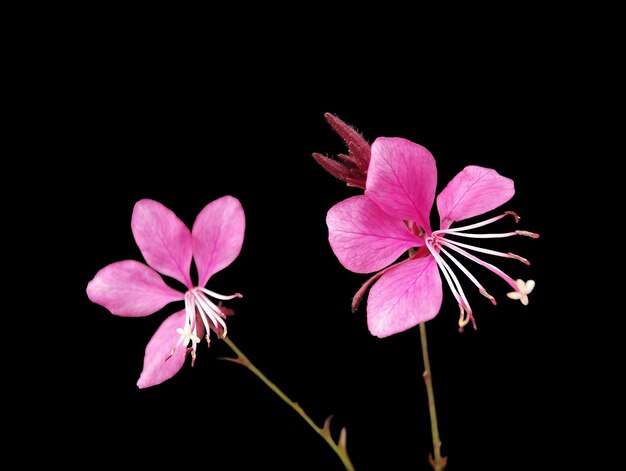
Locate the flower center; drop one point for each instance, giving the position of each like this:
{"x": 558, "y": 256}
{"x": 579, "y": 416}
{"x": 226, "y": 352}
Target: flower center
{"x": 200, "y": 308}
{"x": 440, "y": 245}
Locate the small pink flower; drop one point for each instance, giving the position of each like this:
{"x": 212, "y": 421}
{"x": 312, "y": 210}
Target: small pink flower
{"x": 351, "y": 168}
{"x": 132, "y": 289}
{"x": 369, "y": 232}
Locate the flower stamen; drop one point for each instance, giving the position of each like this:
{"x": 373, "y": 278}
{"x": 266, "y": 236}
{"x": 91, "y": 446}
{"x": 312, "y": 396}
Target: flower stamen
{"x": 465, "y": 318}
{"x": 517, "y": 257}
{"x": 210, "y": 310}
{"x": 198, "y": 305}
{"x": 215, "y": 295}
{"x": 514, "y": 214}
{"x": 437, "y": 243}
{"x": 453, "y": 281}
{"x": 487, "y": 265}
{"x": 480, "y": 287}
{"x": 486, "y": 222}
{"x": 532, "y": 235}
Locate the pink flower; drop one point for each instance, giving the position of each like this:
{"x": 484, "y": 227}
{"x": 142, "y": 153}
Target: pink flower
{"x": 351, "y": 168}
{"x": 132, "y": 289}
{"x": 367, "y": 233}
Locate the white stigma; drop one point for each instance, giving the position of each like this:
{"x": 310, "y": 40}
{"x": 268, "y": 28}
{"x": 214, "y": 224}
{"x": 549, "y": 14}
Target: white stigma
{"x": 523, "y": 290}
{"x": 188, "y": 335}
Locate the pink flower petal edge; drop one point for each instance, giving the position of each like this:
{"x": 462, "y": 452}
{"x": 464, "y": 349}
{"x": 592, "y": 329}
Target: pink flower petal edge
{"x": 405, "y": 296}
{"x": 130, "y": 288}
{"x": 402, "y": 179}
{"x": 164, "y": 240}
{"x": 164, "y": 357}
{"x": 473, "y": 191}
{"x": 365, "y": 238}
{"x": 217, "y": 236}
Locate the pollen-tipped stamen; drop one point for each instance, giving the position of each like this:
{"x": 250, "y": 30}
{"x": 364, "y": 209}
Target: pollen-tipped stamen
{"x": 476, "y": 225}
{"x": 488, "y": 296}
{"x": 219, "y": 316}
{"x": 518, "y": 285}
{"x": 223, "y": 297}
{"x": 465, "y": 318}
{"x": 494, "y": 235}
{"x": 486, "y": 251}
{"x": 517, "y": 257}
{"x": 205, "y": 322}
{"x": 477, "y": 260}
{"x": 460, "y": 231}
{"x": 532, "y": 235}
{"x": 514, "y": 214}
{"x": 436, "y": 242}
{"x": 207, "y": 308}
{"x": 453, "y": 281}
{"x": 185, "y": 331}
{"x": 481, "y": 288}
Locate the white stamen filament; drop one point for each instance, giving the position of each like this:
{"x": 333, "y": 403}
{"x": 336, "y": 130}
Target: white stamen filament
{"x": 185, "y": 331}
{"x": 437, "y": 245}
{"x": 528, "y": 234}
{"x": 207, "y": 329}
{"x": 487, "y": 251}
{"x": 197, "y": 304}
{"x": 476, "y": 225}
{"x": 487, "y": 265}
{"x": 206, "y": 307}
{"x": 480, "y": 287}
{"x": 215, "y": 295}
{"x": 479, "y": 236}
{"x": 450, "y": 277}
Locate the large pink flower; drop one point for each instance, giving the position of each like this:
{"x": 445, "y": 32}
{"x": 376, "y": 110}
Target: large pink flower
{"x": 369, "y": 232}
{"x": 132, "y": 289}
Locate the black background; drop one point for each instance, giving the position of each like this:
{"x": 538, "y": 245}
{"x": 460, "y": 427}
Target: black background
{"x": 183, "y": 129}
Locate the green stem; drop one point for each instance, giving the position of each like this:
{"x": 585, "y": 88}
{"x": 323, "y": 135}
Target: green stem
{"x": 339, "y": 448}
{"x": 439, "y": 462}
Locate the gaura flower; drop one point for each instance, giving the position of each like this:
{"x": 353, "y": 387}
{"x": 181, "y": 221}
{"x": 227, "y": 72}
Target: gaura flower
{"x": 351, "y": 168}
{"x": 369, "y": 232}
{"x": 132, "y": 289}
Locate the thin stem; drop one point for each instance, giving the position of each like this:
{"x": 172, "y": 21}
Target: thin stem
{"x": 439, "y": 462}
{"x": 339, "y": 448}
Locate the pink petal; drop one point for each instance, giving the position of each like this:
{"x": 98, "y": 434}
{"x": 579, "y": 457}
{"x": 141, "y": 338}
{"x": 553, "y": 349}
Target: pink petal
{"x": 358, "y": 296}
{"x": 402, "y": 179}
{"x": 404, "y": 297}
{"x": 473, "y": 191}
{"x": 163, "y": 239}
{"x": 130, "y": 289}
{"x": 364, "y": 237}
{"x": 217, "y": 236}
{"x": 158, "y": 365}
